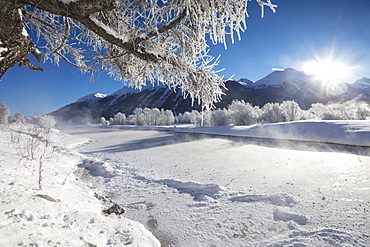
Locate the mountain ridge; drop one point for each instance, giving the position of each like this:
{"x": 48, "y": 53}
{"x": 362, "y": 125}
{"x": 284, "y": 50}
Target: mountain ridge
{"x": 276, "y": 87}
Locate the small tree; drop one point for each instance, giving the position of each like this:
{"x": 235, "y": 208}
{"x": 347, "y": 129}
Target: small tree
{"x": 46, "y": 122}
{"x": 19, "y": 118}
{"x": 219, "y": 118}
{"x": 103, "y": 121}
{"x": 241, "y": 113}
{"x": 291, "y": 111}
{"x": 4, "y": 113}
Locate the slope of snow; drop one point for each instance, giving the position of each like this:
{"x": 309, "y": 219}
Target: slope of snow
{"x": 65, "y": 212}
{"x": 220, "y": 190}
{"x": 91, "y": 98}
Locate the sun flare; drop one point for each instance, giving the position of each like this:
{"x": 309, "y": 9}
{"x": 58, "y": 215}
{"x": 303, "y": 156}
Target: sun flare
{"x": 327, "y": 70}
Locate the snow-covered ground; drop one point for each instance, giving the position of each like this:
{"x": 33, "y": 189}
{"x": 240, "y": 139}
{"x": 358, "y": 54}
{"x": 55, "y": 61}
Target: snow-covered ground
{"x": 66, "y": 211}
{"x": 226, "y": 190}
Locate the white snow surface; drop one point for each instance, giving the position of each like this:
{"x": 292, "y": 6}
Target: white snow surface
{"x": 65, "y": 212}
{"x": 303, "y": 184}
{"x": 262, "y": 185}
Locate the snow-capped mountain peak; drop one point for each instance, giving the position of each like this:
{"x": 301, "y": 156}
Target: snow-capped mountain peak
{"x": 363, "y": 84}
{"x": 91, "y": 98}
{"x": 276, "y": 78}
{"x": 245, "y": 82}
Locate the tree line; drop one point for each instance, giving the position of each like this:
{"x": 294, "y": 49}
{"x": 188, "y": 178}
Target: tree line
{"x": 244, "y": 113}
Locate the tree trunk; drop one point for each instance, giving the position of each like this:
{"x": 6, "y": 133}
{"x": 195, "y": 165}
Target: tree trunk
{"x": 15, "y": 44}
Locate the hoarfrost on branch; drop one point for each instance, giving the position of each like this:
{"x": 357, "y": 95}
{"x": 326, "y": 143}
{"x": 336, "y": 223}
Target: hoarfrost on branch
{"x": 135, "y": 41}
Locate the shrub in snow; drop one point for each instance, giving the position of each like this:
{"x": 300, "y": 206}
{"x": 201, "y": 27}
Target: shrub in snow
{"x": 271, "y": 113}
{"x": 183, "y": 117}
{"x": 241, "y": 113}
{"x": 357, "y": 110}
{"x": 4, "y": 113}
{"x": 193, "y": 117}
{"x": 363, "y": 112}
{"x": 219, "y": 118}
{"x": 291, "y": 111}
{"x": 167, "y": 117}
{"x": 333, "y": 111}
{"x": 119, "y": 119}
{"x": 17, "y": 118}
{"x": 153, "y": 117}
{"x": 137, "y": 118}
{"x": 32, "y": 143}
{"x": 46, "y": 122}
{"x": 317, "y": 110}
{"x": 103, "y": 121}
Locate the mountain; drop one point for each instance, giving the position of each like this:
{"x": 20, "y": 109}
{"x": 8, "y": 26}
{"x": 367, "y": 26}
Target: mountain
{"x": 278, "y": 86}
{"x": 276, "y": 78}
{"x": 92, "y": 98}
{"x": 363, "y": 84}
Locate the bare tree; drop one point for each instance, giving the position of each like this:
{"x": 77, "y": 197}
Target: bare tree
{"x": 133, "y": 40}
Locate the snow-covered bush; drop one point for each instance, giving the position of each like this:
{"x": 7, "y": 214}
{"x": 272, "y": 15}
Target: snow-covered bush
{"x": 219, "y": 118}
{"x": 46, "y": 122}
{"x": 153, "y": 117}
{"x": 291, "y": 111}
{"x": 4, "y": 114}
{"x": 333, "y": 111}
{"x": 103, "y": 121}
{"x": 285, "y": 112}
{"x": 18, "y": 118}
{"x": 241, "y": 113}
{"x": 32, "y": 143}
{"x": 119, "y": 119}
{"x": 271, "y": 113}
{"x": 193, "y": 117}
{"x": 363, "y": 111}
{"x": 167, "y": 117}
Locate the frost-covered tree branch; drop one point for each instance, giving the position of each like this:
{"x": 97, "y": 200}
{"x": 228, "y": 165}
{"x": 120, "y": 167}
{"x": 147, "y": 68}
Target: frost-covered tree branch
{"x": 135, "y": 41}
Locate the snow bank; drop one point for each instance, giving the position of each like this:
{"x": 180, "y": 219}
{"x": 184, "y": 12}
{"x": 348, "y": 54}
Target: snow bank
{"x": 66, "y": 212}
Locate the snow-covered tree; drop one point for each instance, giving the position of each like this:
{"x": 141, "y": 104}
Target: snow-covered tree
{"x": 167, "y": 117}
{"x": 291, "y": 110}
{"x": 219, "y": 118}
{"x": 19, "y": 118}
{"x": 271, "y": 113}
{"x": 241, "y": 113}
{"x": 46, "y": 122}
{"x": 4, "y": 113}
{"x": 133, "y": 40}
{"x": 103, "y": 121}
{"x": 119, "y": 119}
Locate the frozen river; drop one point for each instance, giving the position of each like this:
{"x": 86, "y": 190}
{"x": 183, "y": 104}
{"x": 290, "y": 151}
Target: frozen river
{"x": 194, "y": 190}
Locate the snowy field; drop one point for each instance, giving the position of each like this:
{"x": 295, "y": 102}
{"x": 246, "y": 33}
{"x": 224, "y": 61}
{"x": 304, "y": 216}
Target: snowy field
{"x": 225, "y": 190}
{"x": 294, "y": 185}
{"x": 65, "y": 212}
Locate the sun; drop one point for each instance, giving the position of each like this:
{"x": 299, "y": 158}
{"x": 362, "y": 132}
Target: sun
{"x": 327, "y": 70}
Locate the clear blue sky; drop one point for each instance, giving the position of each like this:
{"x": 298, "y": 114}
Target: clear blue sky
{"x": 298, "y": 31}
